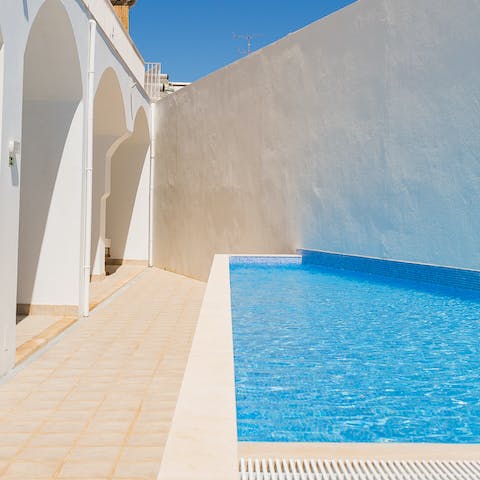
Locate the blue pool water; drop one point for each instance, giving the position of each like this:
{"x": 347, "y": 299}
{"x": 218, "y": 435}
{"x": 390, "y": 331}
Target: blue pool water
{"x": 325, "y": 355}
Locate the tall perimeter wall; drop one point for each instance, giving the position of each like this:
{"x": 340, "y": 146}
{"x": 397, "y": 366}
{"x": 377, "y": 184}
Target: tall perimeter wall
{"x": 358, "y": 134}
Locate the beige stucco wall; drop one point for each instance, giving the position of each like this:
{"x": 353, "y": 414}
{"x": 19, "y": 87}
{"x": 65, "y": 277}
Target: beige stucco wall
{"x": 357, "y": 134}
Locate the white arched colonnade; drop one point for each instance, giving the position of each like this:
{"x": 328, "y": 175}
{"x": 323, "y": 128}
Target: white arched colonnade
{"x": 58, "y": 62}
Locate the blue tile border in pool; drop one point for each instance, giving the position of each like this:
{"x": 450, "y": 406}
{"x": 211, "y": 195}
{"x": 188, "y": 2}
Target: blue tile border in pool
{"x": 434, "y": 274}
{"x": 265, "y": 260}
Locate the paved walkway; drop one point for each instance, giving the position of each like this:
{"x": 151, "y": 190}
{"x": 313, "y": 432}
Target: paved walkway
{"x": 98, "y": 404}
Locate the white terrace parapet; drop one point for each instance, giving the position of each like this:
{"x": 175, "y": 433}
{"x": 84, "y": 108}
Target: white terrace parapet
{"x": 108, "y": 21}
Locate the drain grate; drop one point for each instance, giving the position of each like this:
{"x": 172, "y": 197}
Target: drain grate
{"x": 289, "y": 469}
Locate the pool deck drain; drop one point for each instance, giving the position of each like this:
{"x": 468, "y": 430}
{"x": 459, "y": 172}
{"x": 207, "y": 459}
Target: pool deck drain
{"x": 313, "y": 469}
{"x": 98, "y": 403}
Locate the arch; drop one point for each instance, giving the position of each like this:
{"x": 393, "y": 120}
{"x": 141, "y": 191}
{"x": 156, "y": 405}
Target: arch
{"x": 109, "y": 108}
{"x": 109, "y": 131}
{"x": 51, "y": 164}
{"x": 127, "y": 206}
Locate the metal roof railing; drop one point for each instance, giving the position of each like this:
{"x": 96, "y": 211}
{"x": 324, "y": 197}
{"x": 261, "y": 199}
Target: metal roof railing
{"x": 155, "y": 80}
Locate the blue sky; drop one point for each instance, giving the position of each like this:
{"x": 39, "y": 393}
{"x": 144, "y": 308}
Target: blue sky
{"x": 192, "y": 38}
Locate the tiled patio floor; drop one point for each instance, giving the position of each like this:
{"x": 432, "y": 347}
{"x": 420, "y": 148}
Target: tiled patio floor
{"x": 98, "y": 403}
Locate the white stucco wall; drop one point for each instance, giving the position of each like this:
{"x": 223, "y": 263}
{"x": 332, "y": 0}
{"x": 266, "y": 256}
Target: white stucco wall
{"x": 357, "y": 134}
{"x": 51, "y": 164}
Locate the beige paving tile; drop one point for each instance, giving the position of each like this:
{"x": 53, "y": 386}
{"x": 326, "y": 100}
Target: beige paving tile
{"x": 107, "y": 416}
{"x": 12, "y": 439}
{"x": 22, "y": 426}
{"x": 60, "y": 385}
{"x": 43, "y": 454}
{"x": 141, "y": 454}
{"x": 3, "y": 467}
{"x": 156, "y": 439}
{"x": 53, "y": 397}
{"x": 90, "y": 469}
{"x": 102, "y": 439}
{"x": 95, "y": 454}
{"x": 138, "y": 470}
{"x": 77, "y": 396}
{"x": 31, "y": 470}
{"x": 36, "y": 402}
{"x": 73, "y": 416}
{"x": 86, "y": 407}
{"x": 55, "y": 426}
{"x": 29, "y": 416}
{"x": 151, "y": 427}
{"x": 7, "y": 452}
{"x": 109, "y": 426}
{"x": 53, "y": 439}
{"x": 125, "y": 403}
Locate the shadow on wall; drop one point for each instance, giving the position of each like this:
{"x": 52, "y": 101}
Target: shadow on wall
{"x": 52, "y": 93}
{"x": 127, "y": 219}
{"x": 110, "y": 130}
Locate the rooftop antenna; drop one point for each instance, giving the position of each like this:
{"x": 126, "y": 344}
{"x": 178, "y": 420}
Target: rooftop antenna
{"x": 249, "y": 39}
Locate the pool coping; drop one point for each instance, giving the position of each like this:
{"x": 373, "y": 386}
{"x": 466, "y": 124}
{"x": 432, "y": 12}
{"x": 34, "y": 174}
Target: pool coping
{"x": 361, "y": 451}
{"x": 202, "y": 442}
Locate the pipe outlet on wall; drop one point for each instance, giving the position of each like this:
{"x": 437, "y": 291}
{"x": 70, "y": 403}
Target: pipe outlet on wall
{"x": 13, "y": 152}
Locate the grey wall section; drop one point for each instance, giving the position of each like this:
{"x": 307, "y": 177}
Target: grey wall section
{"x": 358, "y": 134}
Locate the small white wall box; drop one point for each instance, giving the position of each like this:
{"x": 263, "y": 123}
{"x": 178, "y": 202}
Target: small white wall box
{"x": 13, "y": 152}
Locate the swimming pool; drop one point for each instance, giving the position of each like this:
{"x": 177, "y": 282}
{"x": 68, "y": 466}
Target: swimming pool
{"x": 331, "y": 355}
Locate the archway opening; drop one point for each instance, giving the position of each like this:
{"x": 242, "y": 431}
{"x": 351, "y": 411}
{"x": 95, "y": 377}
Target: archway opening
{"x": 110, "y": 130}
{"x": 127, "y": 215}
{"x": 50, "y": 168}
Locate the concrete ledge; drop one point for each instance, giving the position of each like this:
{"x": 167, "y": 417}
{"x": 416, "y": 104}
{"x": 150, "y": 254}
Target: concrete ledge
{"x": 360, "y": 451}
{"x": 55, "y": 310}
{"x": 30, "y": 347}
{"x": 98, "y": 278}
{"x": 123, "y": 261}
{"x": 202, "y": 443}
